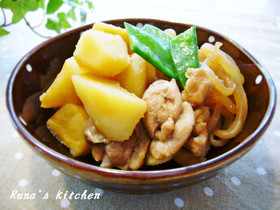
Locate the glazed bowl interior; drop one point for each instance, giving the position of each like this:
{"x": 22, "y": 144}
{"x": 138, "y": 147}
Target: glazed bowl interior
{"x": 36, "y": 71}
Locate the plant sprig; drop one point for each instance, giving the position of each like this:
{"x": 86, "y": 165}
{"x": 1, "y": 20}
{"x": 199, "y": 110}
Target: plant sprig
{"x": 57, "y": 19}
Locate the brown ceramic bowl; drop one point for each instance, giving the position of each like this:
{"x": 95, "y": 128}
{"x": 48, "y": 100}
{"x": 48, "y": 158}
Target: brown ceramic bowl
{"x": 35, "y": 72}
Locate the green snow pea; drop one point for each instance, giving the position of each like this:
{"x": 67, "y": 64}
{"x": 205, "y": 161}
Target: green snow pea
{"x": 185, "y": 53}
{"x": 150, "y": 45}
{"x": 158, "y": 35}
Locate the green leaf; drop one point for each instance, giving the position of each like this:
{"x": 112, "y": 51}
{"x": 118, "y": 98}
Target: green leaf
{"x": 41, "y": 3}
{"x": 90, "y": 4}
{"x": 59, "y": 24}
{"x": 20, "y": 7}
{"x": 3, "y": 32}
{"x": 53, "y": 25}
{"x": 83, "y": 14}
{"x": 63, "y": 20}
{"x": 71, "y": 14}
{"x": 72, "y": 3}
{"x": 53, "y": 6}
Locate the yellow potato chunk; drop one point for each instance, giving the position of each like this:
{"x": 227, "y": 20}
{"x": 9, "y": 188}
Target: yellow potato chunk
{"x": 68, "y": 125}
{"x": 151, "y": 73}
{"x": 171, "y": 32}
{"x": 111, "y": 29}
{"x": 62, "y": 90}
{"x": 113, "y": 109}
{"x": 101, "y": 53}
{"x": 134, "y": 77}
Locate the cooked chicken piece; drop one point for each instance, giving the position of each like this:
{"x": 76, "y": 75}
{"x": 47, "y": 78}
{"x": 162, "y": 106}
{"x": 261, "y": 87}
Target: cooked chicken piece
{"x": 152, "y": 161}
{"x": 141, "y": 147}
{"x": 182, "y": 130}
{"x": 98, "y": 151}
{"x": 119, "y": 152}
{"x": 106, "y": 163}
{"x": 199, "y": 144}
{"x": 92, "y": 134}
{"x": 184, "y": 157}
{"x": 165, "y": 130}
{"x": 163, "y": 101}
{"x": 168, "y": 120}
{"x": 198, "y": 88}
{"x": 129, "y": 154}
{"x": 202, "y": 115}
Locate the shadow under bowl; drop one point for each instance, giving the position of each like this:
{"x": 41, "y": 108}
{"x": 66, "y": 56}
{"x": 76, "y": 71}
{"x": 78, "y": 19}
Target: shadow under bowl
{"x": 35, "y": 72}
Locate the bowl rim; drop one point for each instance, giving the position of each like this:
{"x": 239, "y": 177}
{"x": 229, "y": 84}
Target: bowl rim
{"x": 212, "y": 164}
